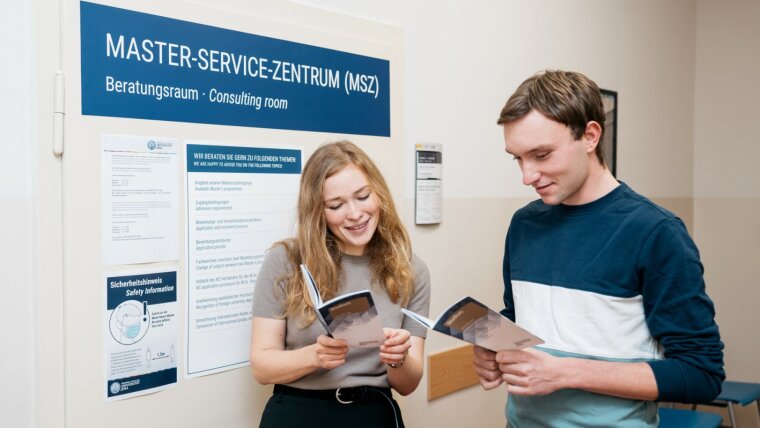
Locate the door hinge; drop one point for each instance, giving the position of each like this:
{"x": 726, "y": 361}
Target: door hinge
{"x": 59, "y": 112}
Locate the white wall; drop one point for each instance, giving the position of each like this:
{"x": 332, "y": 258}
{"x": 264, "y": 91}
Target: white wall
{"x": 16, "y": 186}
{"x": 727, "y": 182}
{"x": 686, "y": 76}
{"x": 462, "y": 61}
{"x": 727, "y": 91}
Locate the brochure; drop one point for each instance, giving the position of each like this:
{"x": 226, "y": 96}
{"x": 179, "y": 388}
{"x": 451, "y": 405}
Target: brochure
{"x": 474, "y": 322}
{"x": 352, "y": 317}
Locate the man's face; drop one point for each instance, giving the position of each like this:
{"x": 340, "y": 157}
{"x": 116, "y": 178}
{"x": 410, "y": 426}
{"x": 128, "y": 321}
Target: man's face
{"x": 551, "y": 160}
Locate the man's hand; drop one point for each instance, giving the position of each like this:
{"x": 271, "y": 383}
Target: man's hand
{"x": 530, "y": 372}
{"x": 486, "y": 367}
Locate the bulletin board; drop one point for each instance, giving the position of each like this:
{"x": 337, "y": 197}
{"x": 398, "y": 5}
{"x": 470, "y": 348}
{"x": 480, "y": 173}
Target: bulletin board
{"x": 217, "y": 97}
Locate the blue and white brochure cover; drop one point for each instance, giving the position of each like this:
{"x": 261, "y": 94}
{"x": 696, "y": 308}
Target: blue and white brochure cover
{"x": 476, "y": 323}
{"x": 352, "y": 317}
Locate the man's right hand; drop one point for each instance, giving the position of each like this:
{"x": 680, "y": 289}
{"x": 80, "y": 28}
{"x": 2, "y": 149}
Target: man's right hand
{"x": 486, "y": 368}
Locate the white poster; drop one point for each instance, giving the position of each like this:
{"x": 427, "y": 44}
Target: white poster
{"x": 140, "y": 333}
{"x": 240, "y": 200}
{"x": 140, "y": 184}
{"x": 428, "y": 197}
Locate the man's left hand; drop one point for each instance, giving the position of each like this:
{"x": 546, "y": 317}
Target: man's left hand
{"x": 530, "y": 371}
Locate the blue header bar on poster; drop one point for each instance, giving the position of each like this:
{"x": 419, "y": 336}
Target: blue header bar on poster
{"x": 144, "y": 66}
{"x": 152, "y": 288}
{"x": 243, "y": 160}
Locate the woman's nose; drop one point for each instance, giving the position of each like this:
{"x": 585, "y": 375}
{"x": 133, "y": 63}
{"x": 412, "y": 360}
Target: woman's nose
{"x": 352, "y": 211}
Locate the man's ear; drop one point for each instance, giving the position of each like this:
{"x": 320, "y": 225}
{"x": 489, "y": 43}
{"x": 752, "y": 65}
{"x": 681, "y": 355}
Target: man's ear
{"x": 591, "y": 136}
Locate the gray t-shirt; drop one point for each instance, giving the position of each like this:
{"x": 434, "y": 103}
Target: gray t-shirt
{"x": 363, "y": 365}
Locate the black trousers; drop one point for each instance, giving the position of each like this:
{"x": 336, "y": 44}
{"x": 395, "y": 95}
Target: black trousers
{"x": 376, "y": 408}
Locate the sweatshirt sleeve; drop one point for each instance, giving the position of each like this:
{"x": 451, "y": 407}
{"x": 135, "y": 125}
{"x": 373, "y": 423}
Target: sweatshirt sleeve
{"x": 680, "y": 316}
{"x": 509, "y": 302}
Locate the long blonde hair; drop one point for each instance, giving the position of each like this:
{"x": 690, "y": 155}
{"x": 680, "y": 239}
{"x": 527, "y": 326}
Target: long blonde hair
{"x": 389, "y": 251}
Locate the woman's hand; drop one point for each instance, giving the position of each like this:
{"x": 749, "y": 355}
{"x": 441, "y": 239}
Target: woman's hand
{"x": 330, "y": 353}
{"x": 403, "y": 352}
{"x": 396, "y": 346}
{"x": 272, "y": 363}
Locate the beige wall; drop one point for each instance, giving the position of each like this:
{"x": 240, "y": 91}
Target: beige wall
{"x": 686, "y": 73}
{"x": 464, "y": 255}
{"x": 458, "y": 73}
{"x": 727, "y": 180}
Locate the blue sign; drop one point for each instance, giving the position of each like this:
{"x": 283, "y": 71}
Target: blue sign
{"x": 141, "y": 382}
{"x": 145, "y": 66}
{"x": 245, "y": 160}
{"x": 151, "y": 288}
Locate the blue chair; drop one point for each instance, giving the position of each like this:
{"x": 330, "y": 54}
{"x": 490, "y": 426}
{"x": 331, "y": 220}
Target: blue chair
{"x": 678, "y": 418}
{"x": 737, "y": 393}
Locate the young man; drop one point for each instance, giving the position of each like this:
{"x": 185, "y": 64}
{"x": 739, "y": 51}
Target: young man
{"x": 611, "y": 281}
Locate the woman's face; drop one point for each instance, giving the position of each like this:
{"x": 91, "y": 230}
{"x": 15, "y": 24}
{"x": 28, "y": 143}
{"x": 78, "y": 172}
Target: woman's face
{"x": 351, "y": 209}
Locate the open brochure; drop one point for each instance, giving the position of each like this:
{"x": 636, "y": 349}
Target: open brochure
{"x": 352, "y": 317}
{"x": 474, "y": 322}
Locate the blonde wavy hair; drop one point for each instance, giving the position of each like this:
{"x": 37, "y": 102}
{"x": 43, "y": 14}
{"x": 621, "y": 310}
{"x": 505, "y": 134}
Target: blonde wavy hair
{"x": 389, "y": 251}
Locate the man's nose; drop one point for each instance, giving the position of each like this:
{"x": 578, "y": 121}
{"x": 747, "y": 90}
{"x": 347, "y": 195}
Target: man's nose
{"x": 530, "y": 174}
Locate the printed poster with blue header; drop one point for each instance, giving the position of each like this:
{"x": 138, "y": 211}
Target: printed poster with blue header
{"x": 241, "y": 199}
{"x": 141, "y": 333}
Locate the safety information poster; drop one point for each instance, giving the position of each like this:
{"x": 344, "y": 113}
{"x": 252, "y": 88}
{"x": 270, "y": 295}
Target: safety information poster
{"x": 141, "y": 331}
{"x": 140, "y": 205}
{"x": 240, "y": 200}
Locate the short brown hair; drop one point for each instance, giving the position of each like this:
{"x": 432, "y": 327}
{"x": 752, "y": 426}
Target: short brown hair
{"x": 567, "y": 97}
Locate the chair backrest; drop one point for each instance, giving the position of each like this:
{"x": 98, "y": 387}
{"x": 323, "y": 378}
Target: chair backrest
{"x": 739, "y": 392}
{"x": 677, "y": 418}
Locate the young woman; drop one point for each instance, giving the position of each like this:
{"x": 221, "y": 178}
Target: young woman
{"x": 351, "y": 238}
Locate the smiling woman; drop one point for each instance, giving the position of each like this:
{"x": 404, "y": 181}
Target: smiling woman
{"x": 351, "y": 210}
{"x": 349, "y": 235}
